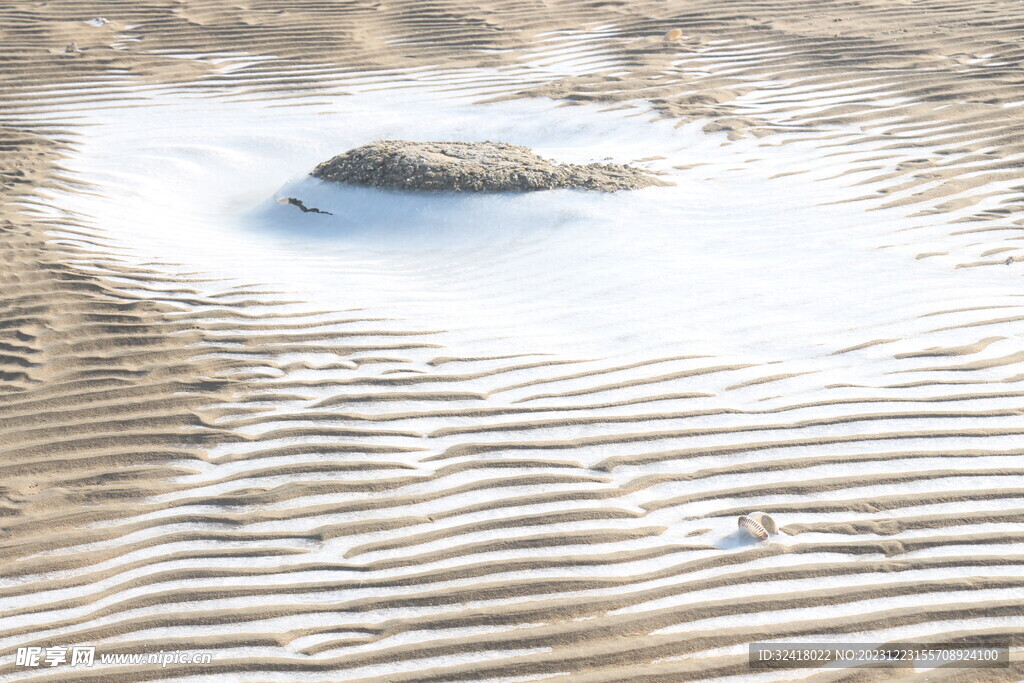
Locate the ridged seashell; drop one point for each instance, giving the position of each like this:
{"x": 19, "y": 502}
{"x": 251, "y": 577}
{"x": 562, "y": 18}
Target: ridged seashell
{"x": 758, "y": 525}
{"x": 674, "y": 34}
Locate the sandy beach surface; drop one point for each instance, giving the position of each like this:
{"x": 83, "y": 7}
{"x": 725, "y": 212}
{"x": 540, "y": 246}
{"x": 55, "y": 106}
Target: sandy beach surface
{"x": 500, "y": 437}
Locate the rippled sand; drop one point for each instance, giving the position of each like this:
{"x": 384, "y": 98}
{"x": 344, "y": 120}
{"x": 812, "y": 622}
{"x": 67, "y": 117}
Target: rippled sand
{"x": 507, "y": 438}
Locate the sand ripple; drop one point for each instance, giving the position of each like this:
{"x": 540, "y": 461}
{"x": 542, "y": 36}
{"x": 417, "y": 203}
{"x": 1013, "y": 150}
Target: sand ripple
{"x": 341, "y": 495}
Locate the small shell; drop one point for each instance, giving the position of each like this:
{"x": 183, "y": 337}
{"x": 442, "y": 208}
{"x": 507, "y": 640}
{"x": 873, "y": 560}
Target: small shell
{"x": 674, "y": 34}
{"x": 753, "y": 527}
{"x": 758, "y": 524}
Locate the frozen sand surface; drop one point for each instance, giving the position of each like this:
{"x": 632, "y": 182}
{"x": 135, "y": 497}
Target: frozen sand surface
{"x": 732, "y": 261}
{"x": 567, "y": 447}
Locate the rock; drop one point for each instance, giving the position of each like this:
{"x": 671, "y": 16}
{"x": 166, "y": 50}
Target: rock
{"x": 471, "y": 167}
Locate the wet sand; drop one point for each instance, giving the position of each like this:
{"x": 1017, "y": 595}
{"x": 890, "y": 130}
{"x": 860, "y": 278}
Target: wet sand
{"x": 355, "y": 488}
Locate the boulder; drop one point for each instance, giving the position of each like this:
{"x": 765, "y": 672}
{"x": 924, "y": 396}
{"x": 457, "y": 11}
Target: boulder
{"x": 471, "y": 167}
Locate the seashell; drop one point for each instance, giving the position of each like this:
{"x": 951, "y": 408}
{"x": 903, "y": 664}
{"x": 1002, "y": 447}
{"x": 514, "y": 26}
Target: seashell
{"x": 766, "y": 521}
{"x": 753, "y": 527}
{"x": 674, "y": 34}
{"x": 758, "y": 524}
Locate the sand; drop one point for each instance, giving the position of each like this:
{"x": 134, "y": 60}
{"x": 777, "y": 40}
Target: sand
{"x": 425, "y": 452}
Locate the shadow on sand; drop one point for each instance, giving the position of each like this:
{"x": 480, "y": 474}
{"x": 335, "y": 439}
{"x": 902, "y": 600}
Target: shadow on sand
{"x": 336, "y": 212}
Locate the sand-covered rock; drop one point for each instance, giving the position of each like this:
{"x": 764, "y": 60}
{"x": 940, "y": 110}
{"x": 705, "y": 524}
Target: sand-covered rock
{"x": 471, "y": 167}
